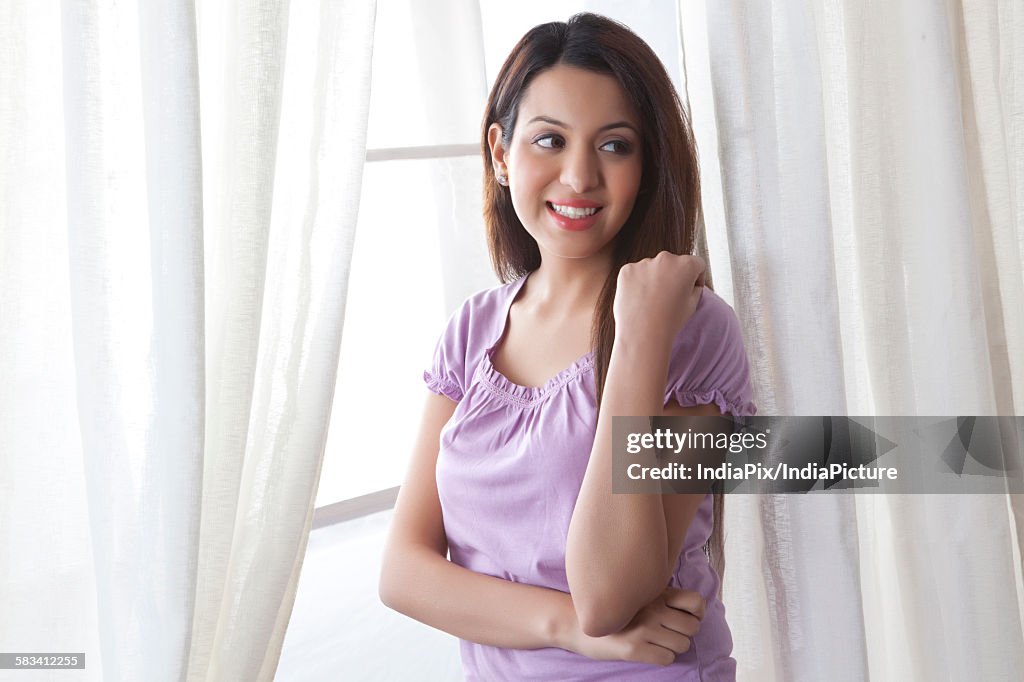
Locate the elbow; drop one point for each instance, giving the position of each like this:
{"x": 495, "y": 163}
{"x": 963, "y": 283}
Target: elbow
{"x": 602, "y": 616}
{"x": 386, "y": 594}
{"x": 389, "y": 588}
{"x": 386, "y": 591}
{"x": 599, "y": 628}
{"x": 603, "y": 610}
{"x": 404, "y": 577}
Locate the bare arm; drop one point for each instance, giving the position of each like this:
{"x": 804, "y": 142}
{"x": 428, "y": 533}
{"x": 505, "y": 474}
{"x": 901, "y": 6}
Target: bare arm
{"x": 418, "y": 580}
{"x": 621, "y": 549}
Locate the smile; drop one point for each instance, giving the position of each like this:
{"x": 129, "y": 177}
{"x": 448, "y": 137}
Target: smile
{"x": 573, "y": 212}
{"x": 574, "y": 218}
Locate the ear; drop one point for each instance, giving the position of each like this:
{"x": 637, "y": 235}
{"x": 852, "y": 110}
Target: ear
{"x": 499, "y": 155}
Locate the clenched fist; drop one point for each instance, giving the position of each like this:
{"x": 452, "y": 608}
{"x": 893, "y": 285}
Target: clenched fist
{"x": 656, "y": 296}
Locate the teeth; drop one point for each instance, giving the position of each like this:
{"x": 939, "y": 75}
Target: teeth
{"x": 572, "y": 212}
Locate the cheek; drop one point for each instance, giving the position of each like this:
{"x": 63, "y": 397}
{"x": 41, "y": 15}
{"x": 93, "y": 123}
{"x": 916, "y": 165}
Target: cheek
{"x": 529, "y": 182}
{"x": 532, "y": 170}
{"x": 627, "y": 183}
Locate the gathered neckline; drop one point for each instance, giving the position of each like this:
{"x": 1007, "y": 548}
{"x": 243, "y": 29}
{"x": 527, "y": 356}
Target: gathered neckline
{"x": 503, "y": 387}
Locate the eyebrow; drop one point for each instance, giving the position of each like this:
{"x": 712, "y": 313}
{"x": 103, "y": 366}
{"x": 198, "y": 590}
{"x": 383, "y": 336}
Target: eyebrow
{"x": 556, "y": 122}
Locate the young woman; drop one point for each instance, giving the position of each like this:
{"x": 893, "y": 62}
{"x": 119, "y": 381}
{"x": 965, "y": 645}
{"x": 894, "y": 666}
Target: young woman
{"x": 591, "y": 197}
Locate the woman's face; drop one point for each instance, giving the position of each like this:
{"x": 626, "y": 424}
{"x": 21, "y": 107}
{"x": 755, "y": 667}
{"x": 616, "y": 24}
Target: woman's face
{"x": 574, "y": 162}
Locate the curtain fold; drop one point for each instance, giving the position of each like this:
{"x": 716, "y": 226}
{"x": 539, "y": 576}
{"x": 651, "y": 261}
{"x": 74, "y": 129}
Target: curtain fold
{"x": 869, "y": 165}
{"x": 180, "y": 184}
{"x": 138, "y": 381}
{"x": 47, "y": 579}
{"x": 321, "y": 150}
{"x": 173, "y": 178}
{"x": 241, "y": 104}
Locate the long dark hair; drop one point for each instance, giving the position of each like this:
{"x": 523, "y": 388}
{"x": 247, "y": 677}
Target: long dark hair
{"x": 667, "y": 207}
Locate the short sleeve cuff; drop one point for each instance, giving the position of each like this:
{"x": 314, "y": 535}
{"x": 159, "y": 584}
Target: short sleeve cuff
{"x": 727, "y": 405}
{"x": 442, "y": 386}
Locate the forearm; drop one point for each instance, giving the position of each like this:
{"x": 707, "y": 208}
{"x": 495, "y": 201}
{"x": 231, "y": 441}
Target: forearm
{"x": 480, "y": 608}
{"x": 616, "y": 553}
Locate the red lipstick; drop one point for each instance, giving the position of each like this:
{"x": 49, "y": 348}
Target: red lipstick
{"x": 574, "y": 224}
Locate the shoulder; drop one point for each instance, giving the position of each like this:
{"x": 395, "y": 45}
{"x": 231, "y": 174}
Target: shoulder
{"x": 713, "y": 321}
{"x": 472, "y": 329}
{"x": 709, "y": 359}
{"x": 482, "y": 313}
{"x": 488, "y": 301}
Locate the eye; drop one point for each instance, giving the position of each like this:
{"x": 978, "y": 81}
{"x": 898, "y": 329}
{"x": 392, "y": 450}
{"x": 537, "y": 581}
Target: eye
{"x": 550, "y": 141}
{"x": 617, "y": 146}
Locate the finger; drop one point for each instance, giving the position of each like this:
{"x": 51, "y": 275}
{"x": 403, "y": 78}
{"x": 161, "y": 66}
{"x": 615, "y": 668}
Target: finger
{"x": 676, "y": 642}
{"x": 686, "y": 600}
{"x": 680, "y": 621}
{"x": 653, "y": 654}
{"x": 690, "y": 601}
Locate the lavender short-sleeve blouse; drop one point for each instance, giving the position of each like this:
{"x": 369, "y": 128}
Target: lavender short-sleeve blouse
{"x": 511, "y": 464}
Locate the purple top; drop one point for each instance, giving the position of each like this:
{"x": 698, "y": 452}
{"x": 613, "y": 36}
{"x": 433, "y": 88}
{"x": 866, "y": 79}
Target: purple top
{"x": 511, "y": 464}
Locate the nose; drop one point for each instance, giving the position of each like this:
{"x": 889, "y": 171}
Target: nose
{"x": 580, "y": 169}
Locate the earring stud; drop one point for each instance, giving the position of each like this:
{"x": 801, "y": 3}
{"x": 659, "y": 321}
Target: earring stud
{"x": 502, "y": 179}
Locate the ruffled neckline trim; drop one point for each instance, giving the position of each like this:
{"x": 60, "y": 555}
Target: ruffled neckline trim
{"x": 506, "y": 389}
{"x": 527, "y": 396}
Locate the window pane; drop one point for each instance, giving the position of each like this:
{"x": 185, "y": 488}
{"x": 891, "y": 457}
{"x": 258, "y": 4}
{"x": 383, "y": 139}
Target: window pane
{"x": 653, "y": 20}
{"x": 428, "y": 74}
{"x": 505, "y": 24}
{"x": 397, "y": 307}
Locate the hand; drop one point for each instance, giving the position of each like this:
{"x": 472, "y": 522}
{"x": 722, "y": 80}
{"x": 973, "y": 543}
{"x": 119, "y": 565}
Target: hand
{"x": 657, "y": 633}
{"x": 656, "y": 296}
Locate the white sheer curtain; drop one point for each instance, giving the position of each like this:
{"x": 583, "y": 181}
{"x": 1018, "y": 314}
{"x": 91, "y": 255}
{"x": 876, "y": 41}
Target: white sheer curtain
{"x": 178, "y": 189}
{"x": 870, "y": 174}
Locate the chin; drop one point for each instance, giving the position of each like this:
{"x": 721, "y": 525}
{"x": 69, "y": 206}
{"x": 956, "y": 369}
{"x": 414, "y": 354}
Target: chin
{"x": 578, "y": 253}
{"x": 574, "y": 246}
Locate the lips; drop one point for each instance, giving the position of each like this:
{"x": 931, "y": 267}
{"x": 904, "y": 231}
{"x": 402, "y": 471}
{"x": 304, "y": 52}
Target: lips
{"x": 574, "y": 214}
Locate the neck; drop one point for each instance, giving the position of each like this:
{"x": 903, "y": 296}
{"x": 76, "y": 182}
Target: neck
{"x": 568, "y": 285}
